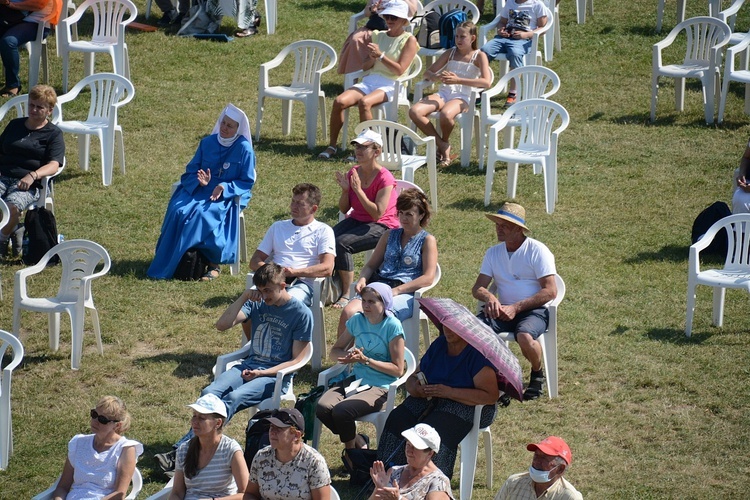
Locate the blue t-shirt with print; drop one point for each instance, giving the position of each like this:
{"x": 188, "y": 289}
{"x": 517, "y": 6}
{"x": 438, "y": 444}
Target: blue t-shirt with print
{"x": 374, "y": 340}
{"x": 274, "y": 330}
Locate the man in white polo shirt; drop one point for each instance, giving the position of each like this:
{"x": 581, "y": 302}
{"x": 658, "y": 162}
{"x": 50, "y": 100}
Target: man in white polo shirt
{"x": 524, "y": 273}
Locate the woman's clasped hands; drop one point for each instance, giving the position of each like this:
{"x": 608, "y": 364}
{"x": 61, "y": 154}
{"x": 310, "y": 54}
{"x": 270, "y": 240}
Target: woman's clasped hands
{"x": 353, "y": 355}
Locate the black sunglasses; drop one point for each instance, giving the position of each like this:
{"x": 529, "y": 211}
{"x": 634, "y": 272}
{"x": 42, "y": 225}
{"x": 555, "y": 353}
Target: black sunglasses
{"x": 101, "y": 418}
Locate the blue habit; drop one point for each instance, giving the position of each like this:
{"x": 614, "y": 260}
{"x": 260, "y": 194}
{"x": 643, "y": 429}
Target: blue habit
{"x": 193, "y": 220}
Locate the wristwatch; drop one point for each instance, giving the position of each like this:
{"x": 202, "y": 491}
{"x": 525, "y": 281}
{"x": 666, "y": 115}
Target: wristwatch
{"x": 367, "y": 361}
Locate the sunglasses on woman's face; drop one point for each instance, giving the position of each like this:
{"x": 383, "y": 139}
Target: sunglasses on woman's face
{"x": 101, "y": 418}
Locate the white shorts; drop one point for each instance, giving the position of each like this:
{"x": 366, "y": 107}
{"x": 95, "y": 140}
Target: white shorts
{"x": 371, "y": 83}
{"x": 446, "y": 95}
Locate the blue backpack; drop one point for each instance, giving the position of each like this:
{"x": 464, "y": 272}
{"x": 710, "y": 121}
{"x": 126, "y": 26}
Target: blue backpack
{"x": 448, "y": 23}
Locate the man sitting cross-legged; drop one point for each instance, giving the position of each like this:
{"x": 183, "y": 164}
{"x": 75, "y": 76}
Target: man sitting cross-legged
{"x": 281, "y": 330}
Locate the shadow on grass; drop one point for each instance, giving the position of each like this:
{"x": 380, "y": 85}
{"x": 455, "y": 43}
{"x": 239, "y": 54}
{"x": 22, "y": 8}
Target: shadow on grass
{"x": 135, "y": 268}
{"x": 669, "y": 253}
{"x": 328, "y": 213}
{"x": 676, "y": 336}
{"x": 647, "y": 30}
{"x": 221, "y": 300}
{"x": 337, "y": 5}
{"x": 189, "y": 364}
{"x": 282, "y": 147}
{"x": 473, "y": 205}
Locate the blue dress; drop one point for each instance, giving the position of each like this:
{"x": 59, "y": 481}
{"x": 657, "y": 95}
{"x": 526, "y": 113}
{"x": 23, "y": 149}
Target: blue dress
{"x": 193, "y": 220}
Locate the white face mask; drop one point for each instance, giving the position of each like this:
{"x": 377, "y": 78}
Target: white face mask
{"x": 540, "y": 476}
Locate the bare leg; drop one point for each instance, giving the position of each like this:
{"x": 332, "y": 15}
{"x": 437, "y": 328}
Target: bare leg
{"x": 353, "y": 307}
{"x": 367, "y": 102}
{"x": 531, "y": 350}
{"x": 344, "y": 101}
{"x": 13, "y": 222}
{"x": 346, "y": 281}
{"x": 447, "y": 119}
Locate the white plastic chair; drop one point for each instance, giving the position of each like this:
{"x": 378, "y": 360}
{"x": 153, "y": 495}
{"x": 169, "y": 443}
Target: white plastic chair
{"x": 5, "y": 212}
{"x": 733, "y": 74}
{"x": 108, "y": 93}
{"x": 6, "y": 427}
{"x": 319, "y": 324}
{"x": 234, "y": 267}
{"x": 443, "y": 7}
{"x": 79, "y": 259}
{"x": 334, "y": 494}
{"x": 552, "y": 38}
{"x": 583, "y": 5}
{"x": 713, "y": 6}
{"x": 38, "y": 58}
{"x": 533, "y": 56}
{"x": 705, "y": 38}
{"x": 469, "y": 448}
{"x": 312, "y": 58}
{"x": 537, "y": 145}
{"x": 108, "y": 36}
{"x": 532, "y": 82}
{"x": 135, "y": 489}
{"x": 548, "y": 340}
{"x": 377, "y": 418}
{"x": 387, "y": 110}
{"x": 392, "y": 158}
{"x": 734, "y": 274}
{"x": 226, "y": 361}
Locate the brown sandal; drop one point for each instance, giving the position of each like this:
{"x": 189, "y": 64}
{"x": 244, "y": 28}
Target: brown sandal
{"x": 6, "y": 92}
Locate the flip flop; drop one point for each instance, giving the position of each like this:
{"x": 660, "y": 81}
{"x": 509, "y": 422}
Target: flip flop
{"x": 328, "y": 153}
{"x": 210, "y": 276}
{"x": 6, "y": 92}
{"x": 341, "y": 303}
{"x": 245, "y": 33}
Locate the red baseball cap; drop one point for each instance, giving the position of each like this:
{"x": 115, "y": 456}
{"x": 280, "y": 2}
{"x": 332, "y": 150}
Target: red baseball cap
{"x": 554, "y": 447}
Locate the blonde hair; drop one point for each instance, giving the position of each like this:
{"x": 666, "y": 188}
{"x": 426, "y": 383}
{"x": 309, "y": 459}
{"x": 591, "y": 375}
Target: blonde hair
{"x": 115, "y": 409}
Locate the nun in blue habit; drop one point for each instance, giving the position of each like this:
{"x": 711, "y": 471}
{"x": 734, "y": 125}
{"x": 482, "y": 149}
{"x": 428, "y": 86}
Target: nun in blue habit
{"x": 202, "y": 213}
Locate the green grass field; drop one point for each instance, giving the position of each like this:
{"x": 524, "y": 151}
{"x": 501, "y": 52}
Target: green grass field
{"x": 647, "y": 412}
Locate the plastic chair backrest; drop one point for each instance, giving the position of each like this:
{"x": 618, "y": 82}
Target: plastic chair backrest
{"x": 393, "y": 133}
{"x": 5, "y": 211}
{"x": 537, "y": 118}
{"x": 108, "y": 92}
{"x": 402, "y": 185}
{"x": 79, "y": 259}
{"x": 108, "y": 17}
{"x": 738, "y": 237}
{"x": 310, "y": 57}
{"x": 444, "y": 6}
{"x": 19, "y": 106}
{"x": 704, "y": 35}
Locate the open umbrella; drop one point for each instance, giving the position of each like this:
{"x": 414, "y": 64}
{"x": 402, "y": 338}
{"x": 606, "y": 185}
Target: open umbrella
{"x": 447, "y": 312}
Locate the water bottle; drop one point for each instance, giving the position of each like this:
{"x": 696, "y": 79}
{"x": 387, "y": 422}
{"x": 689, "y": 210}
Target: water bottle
{"x": 60, "y": 238}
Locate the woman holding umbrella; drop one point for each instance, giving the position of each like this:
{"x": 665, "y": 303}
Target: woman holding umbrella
{"x": 453, "y": 377}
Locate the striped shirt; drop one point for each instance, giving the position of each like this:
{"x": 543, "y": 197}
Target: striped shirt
{"x": 215, "y": 479}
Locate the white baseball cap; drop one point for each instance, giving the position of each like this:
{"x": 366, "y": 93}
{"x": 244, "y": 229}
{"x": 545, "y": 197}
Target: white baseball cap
{"x": 423, "y": 436}
{"x": 367, "y": 136}
{"x": 210, "y": 403}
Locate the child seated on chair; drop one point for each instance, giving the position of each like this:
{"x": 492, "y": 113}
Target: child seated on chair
{"x": 460, "y": 71}
{"x": 519, "y": 20}
{"x": 281, "y": 330}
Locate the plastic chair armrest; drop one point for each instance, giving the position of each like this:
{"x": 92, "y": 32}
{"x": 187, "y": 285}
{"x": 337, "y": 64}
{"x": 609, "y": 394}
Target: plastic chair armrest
{"x": 328, "y": 374}
{"x": 223, "y": 360}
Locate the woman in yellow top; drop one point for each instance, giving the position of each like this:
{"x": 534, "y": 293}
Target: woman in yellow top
{"x": 391, "y": 55}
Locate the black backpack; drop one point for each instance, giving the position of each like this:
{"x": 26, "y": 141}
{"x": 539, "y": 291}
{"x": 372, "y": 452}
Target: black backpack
{"x": 256, "y": 434}
{"x": 41, "y": 230}
{"x": 192, "y": 266}
{"x": 428, "y": 35}
{"x": 705, "y": 220}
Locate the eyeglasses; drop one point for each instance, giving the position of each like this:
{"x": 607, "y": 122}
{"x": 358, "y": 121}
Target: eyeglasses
{"x": 101, "y": 418}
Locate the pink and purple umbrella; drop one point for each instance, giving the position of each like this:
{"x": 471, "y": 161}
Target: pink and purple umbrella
{"x": 447, "y": 312}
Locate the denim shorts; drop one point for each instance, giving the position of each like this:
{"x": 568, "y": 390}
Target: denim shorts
{"x": 534, "y": 322}
{"x": 10, "y": 193}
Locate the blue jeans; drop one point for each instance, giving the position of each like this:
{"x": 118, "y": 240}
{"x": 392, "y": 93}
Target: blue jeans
{"x": 302, "y": 292}
{"x": 515, "y": 50}
{"x": 16, "y": 36}
{"x": 238, "y": 394}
